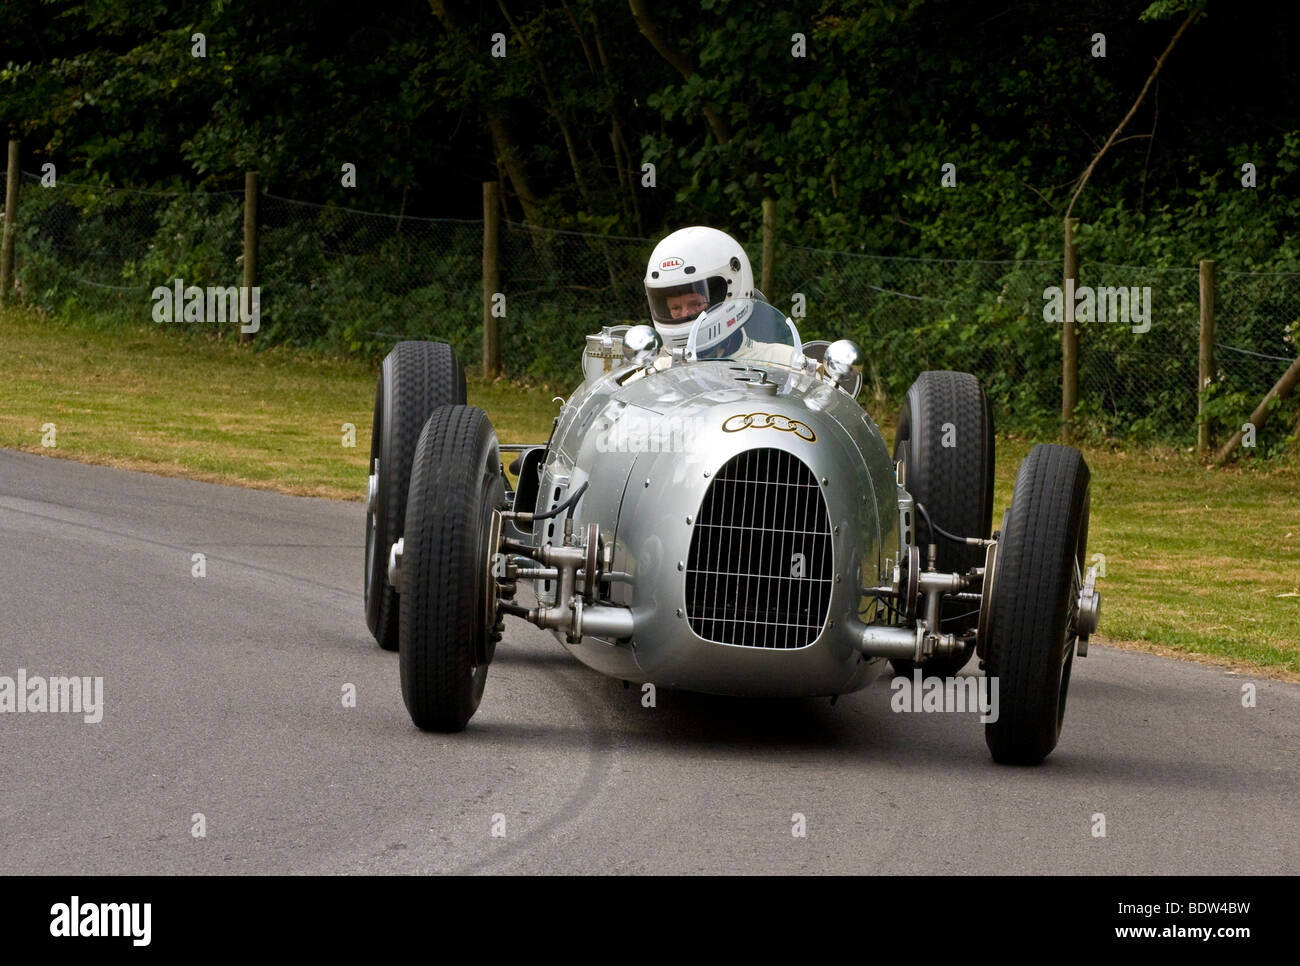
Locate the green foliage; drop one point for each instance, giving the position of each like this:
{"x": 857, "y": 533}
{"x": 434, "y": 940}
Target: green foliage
{"x": 850, "y": 141}
{"x": 1164, "y": 9}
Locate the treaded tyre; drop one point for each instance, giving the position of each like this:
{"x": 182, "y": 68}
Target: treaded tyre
{"x": 953, "y": 482}
{"x": 416, "y": 378}
{"x": 1031, "y": 638}
{"x": 449, "y": 623}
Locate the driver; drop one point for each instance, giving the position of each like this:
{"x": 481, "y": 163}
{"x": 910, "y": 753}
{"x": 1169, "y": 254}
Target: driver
{"x": 692, "y": 270}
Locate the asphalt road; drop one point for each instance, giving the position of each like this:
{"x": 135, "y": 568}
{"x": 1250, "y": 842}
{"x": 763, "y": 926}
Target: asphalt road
{"x": 223, "y": 695}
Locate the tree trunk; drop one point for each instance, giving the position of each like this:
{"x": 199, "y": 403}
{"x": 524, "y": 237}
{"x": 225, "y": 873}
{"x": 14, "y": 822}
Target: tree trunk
{"x": 655, "y": 35}
{"x": 627, "y": 177}
{"x": 508, "y": 160}
{"x": 553, "y": 105}
{"x": 511, "y": 164}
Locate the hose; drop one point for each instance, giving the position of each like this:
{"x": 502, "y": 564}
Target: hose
{"x": 920, "y": 508}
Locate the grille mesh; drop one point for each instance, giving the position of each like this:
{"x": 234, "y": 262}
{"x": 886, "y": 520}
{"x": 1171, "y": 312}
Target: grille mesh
{"x": 745, "y": 581}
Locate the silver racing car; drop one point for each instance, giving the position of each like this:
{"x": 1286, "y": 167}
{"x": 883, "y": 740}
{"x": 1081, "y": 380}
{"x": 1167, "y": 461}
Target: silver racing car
{"x": 724, "y": 517}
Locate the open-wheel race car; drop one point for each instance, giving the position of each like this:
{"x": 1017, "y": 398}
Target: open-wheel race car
{"x": 723, "y": 516}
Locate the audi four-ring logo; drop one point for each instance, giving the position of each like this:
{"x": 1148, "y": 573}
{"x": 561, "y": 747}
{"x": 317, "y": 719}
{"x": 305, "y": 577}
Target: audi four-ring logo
{"x": 785, "y": 424}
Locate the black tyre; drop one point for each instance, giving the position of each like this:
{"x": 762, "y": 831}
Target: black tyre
{"x": 945, "y": 440}
{"x": 448, "y": 626}
{"x": 1031, "y": 636}
{"x": 416, "y": 378}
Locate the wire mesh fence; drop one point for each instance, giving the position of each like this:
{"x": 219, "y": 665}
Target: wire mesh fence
{"x": 1257, "y": 334}
{"x": 355, "y": 281}
{"x": 559, "y": 286}
{"x": 340, "y": 278}
{"x": 104, "y": 250}
{"x": 1138, "y": 354}
{"x": 909, "y": 315}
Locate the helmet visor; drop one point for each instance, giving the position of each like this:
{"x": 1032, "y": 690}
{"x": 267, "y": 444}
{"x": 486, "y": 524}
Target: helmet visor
{"x": 682, "y": 303}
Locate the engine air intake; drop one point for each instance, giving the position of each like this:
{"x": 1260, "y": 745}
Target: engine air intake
{"x": 759, "y": 570}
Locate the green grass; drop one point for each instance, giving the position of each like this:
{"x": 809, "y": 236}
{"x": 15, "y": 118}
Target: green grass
{"x": 147, "y": 398}
{"x": 1199, "y": 562}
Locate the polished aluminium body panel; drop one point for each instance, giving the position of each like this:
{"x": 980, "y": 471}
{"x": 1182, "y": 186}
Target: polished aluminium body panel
{"x": 649, "y": 446}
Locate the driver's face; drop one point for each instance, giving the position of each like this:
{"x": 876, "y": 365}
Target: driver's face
{"x": 687, "y": 306}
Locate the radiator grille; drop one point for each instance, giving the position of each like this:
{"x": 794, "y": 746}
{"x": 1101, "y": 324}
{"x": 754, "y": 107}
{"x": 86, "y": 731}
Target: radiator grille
{"x": 759, "y": 571}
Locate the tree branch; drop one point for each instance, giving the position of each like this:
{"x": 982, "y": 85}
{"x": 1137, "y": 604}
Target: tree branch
{"x": 1083, "y": 180}
{"x": 622, "y": 152}
{"x": 508, "y": 160}
{"x": 1146, "y": 162}
{"x": 1046, "y": 200}
{"x": 652, "y": 32}
{"x": 586, "y": 50}
{"x": 552, "y": 103}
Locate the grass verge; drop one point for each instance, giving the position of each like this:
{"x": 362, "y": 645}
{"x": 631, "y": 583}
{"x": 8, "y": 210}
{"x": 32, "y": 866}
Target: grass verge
{"x": 143, "y": 398}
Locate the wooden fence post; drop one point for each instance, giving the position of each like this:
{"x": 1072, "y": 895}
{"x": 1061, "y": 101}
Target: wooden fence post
{"x": 769, "y": 247}
{"x": 1069, "y": 335}
{"x": 491, "y": 280}
{"x": 11, "y": 214}
{"x": 1205, "y": 369}
{"x": 250, "y": 241}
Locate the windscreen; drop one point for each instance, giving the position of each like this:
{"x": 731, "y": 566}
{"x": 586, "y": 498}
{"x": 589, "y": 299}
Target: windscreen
{"x": 746, "y": 330}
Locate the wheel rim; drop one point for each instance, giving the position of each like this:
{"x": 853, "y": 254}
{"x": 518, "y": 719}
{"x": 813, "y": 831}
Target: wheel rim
{"x": 492, "y": 527}
{"x": 370, "y": 590}
{"x": 371, "y": 524}
{"x": 1066, "y": 665}
{"x": 490, "y": 531}
{"x": 1071, "y": 638}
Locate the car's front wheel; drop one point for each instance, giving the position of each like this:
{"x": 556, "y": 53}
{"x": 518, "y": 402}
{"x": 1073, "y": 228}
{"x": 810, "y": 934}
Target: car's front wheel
{"x": 449, "y": 623}
{"x": 1031, "y": 637}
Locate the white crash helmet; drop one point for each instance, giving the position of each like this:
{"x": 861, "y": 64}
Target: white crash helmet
{"x": 690, "y": 270}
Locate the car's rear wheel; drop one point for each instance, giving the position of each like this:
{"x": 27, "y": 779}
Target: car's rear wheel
{"x": 416, "y": 378}
{"x": 448, "y": 627}
{"x": 945, "y": 441}
{"x": 1031, "y": 640}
